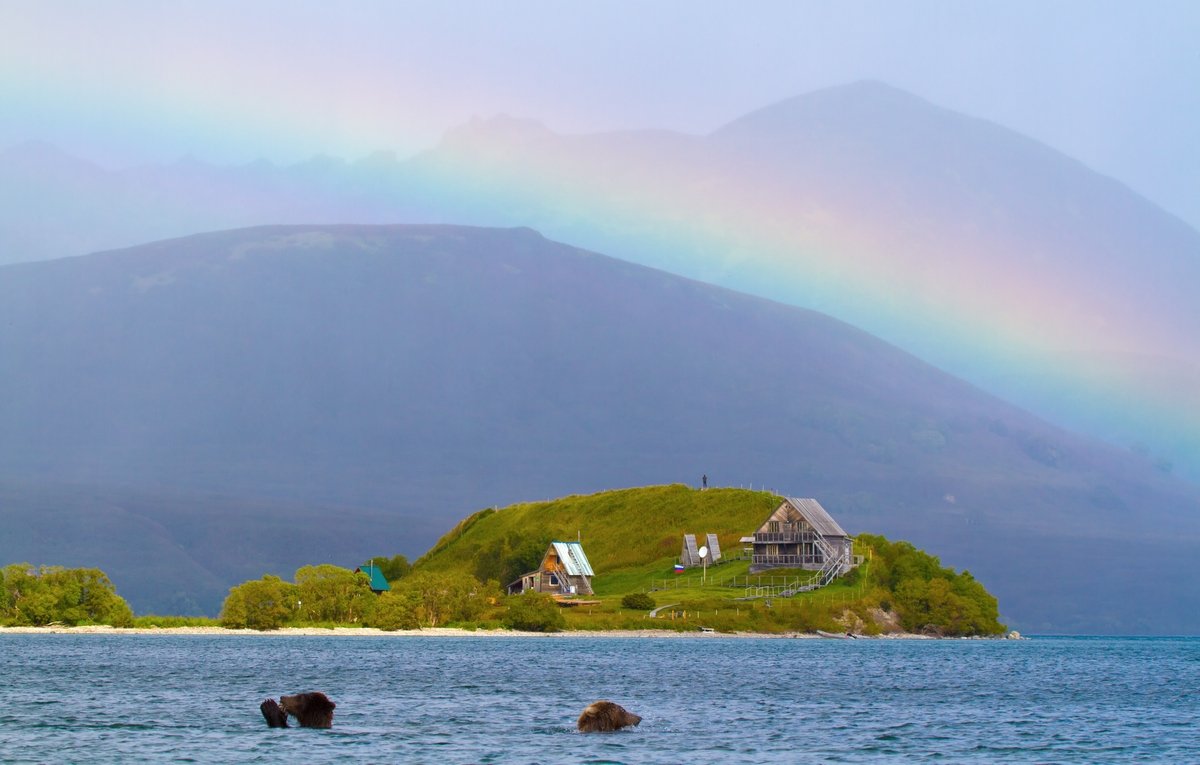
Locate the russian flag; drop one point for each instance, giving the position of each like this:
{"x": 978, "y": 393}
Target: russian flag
{"x": 678, "y": 568}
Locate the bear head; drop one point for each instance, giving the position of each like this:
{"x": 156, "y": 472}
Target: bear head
{"x": 312, "y": 710}
{"x": 606, "y": 716}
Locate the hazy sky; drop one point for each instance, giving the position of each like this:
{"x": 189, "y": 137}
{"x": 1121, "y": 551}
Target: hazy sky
{"x": 1116, "y": 85}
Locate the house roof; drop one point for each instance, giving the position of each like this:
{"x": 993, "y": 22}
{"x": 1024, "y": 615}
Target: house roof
{"x": 817, "y": 517}
{"x": 379, "y": 582}
{"x": 573, "y": 558}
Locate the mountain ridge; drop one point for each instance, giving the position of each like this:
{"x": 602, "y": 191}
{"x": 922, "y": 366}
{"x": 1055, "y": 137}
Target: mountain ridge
{"x": 376, "y": 382}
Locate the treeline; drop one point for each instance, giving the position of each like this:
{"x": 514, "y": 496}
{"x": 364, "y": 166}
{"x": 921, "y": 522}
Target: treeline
{"x": 329, "y": 595}
{"x": 36, "y": 596}
{"x": 926, "y": 596}
{"x": 509, "y": 557}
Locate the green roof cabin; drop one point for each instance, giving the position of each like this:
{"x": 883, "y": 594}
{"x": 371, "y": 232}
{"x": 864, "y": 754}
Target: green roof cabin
{"x": 379, "y": 584}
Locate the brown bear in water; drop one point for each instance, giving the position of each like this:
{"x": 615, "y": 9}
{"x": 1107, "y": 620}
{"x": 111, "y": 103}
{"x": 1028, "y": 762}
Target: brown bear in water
{"x": 606, "y": 716}
{"x": 312, "y": 710}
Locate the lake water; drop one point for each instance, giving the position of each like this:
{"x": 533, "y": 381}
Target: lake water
{"x": 124, "y": 698}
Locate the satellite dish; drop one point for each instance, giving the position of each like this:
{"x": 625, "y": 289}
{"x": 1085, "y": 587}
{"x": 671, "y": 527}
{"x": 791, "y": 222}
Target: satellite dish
{"x": 703, "y": 551}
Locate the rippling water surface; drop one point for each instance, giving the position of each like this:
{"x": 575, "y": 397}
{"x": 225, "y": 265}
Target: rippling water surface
{"x": 122, "y": 698}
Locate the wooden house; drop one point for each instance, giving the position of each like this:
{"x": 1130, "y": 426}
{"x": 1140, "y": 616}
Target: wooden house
{"x": 801, "y": 534}
{"x": 564, "y": 570}
{"x": 379, "y": 583}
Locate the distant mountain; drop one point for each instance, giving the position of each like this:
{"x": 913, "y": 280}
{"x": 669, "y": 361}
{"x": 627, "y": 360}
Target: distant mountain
{"x": 981, "y": 251}
{"x": 193, "y": 412}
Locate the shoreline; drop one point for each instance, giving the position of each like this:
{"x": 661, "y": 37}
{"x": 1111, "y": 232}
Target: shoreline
{"x": 440, "y": 632}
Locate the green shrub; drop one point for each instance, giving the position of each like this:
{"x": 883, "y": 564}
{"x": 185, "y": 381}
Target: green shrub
{"x": 261, "y": 604}
{"x": 45, "y": 594}
{"x": 393, "y": 569}
{"x": 534, "y": 612}
{"x": 329, "y": 593}
{"x": 395, "y": 611}
{"x": 442, "y": 597}
{"x": 507, "y": 558}
{"x": 927, "y": 595}
{"x": 638, "y": 601}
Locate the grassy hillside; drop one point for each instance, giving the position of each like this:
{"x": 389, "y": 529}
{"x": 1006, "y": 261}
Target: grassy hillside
{"x": 622, "y": 529}
{"x": 632, "y": 538}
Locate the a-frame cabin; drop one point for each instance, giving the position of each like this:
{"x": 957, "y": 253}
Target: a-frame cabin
{"x": 565, "y": 570}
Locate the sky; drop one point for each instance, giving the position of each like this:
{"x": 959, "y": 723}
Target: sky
{"x": 1115, "y": 85}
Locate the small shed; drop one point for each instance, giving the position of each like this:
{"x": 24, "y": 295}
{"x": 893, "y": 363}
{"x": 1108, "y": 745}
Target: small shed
{"x": 689, "y": 555}
{"x": 801, "y": 534}
{"x": 714, "y": 548}
{"x": 564, "y": 570}
{"x": 379, "y": 583}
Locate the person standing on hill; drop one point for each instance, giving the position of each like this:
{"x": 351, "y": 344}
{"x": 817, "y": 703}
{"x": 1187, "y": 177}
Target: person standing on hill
{"x": 704, "y": 481}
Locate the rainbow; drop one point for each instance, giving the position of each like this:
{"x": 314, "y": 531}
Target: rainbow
{"x": 1112, "y": 366}
{"x": 1101, "y": 360}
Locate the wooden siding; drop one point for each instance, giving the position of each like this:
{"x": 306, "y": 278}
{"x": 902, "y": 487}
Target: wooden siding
{"x": 552, "y": 576}
{"x": 797, "y": 535}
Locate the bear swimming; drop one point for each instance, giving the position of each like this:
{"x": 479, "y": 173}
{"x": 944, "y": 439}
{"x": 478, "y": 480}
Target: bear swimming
{"x": 311, "y": 710}
{"x": 606, "y": 716}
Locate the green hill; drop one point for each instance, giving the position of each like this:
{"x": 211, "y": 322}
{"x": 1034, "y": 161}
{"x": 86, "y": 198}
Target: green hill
{"x": 622, "y": 529}
{"x": 633, "y": 536}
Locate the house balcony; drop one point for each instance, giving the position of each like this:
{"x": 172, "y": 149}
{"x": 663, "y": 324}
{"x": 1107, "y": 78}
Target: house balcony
{"x": 787, "y": 561}
{"x": 774, "y": 537}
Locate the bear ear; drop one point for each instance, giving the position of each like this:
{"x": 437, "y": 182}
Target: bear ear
{"x": 332, "y": 705}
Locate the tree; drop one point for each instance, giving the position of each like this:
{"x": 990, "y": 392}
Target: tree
{"x": 926, "y": 593}
{"x": 507, "y": 558}
{"x": 912, "y": 603}
{"x": 31, "y": 602}
{"x": 525, "y": 556}
{"x": 534, "y": 612}
{"x": 395, "y": 611}
{"x": 987, "y": 618}
{"x": 639, "y": 601}
{"x": 443, "y": 597}
{"x": 329, "y": 593}
{"x": 394, "y": 568}
{"x": 48, "y": 594}
{"x": 87, "y": 595}
{"x": 262, "y": 604}
{"x": 4, "y": 599}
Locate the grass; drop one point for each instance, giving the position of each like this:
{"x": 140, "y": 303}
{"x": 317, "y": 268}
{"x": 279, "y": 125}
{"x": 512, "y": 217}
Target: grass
{"x": 690, "y": 603}
{"x": 620, "y": 530}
